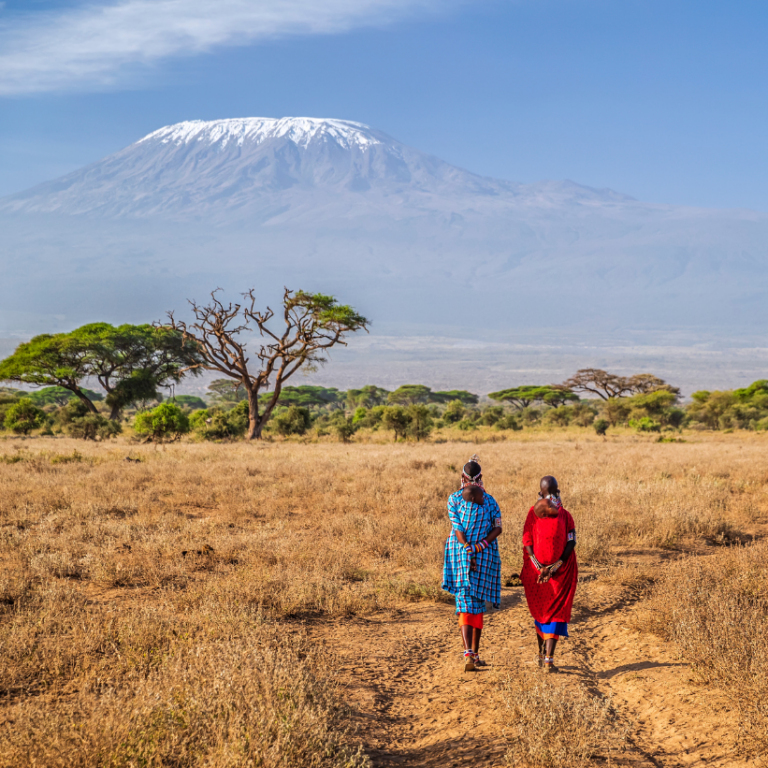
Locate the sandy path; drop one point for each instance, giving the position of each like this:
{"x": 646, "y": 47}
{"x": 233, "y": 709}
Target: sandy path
{"x": 415, "y": 706}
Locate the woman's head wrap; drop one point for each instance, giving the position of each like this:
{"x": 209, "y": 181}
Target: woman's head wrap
{"x": 472, "y": 474}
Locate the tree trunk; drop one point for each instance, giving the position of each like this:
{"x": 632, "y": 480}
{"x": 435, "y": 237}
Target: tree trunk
{"x": 255, "y": 421}
{"x": 81, "y": 396}
{"x": 114, "y": 414}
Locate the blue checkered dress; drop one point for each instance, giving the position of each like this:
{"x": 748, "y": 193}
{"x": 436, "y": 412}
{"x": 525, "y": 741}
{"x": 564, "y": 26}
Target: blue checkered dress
{"x": 472, "y": 589}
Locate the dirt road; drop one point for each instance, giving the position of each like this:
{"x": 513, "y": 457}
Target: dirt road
{"x": 415, "y": 706}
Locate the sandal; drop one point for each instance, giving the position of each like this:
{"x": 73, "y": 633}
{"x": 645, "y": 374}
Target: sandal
{"x": 549, "y": 665}
{"x": 469, "y": 661}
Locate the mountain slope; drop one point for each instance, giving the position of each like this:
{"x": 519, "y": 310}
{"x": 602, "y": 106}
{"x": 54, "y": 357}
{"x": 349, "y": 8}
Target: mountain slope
{"x": 418, "y": 244}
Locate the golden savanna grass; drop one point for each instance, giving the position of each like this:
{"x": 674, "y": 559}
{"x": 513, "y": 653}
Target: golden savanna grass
{"x": 148, "y": 608}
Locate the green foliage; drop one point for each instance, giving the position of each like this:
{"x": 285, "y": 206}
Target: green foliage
{"x": 454, "y": 412}
{"x": 557, "y": 396}
{"x": 524, "y": 396}
{"x": 745, "y": 408}
{"x": 129, "y": 361}
{"x": 369, "y": 417}
{"x": 645, "y": 424}
{"x": 60, "y": 359}
{"x": 59, "y": 396}
{"x": 465, "y": 425}
{"x": 410, "y": 394}
{"x": 189, "y": 402}
{"x": 306, "y": 396}
{"x": 559, "y": 417}
{"x": 76, "y": 420}
{"x": 509, "y": 421}
{"x": 326, "y": 312}
{"x": 292, "y": 421}
{"x": 165, "y": 422}
{"x": 344, "y": 429}
{"x": 616, "y": 410}
{"x": 467, "y": 398}
{"x": 420, "y": 424}
{"x": 601, "y": 426}
{"x": 367, "y": 397}
{"x": 492, "y": 415}
{"x": 218, "y": 424}
{"x": 397, "y": 419}
{"x": 24, "y": 416}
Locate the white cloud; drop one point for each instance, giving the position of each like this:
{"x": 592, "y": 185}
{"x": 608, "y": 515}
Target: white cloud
{"x": 94, "y": 45}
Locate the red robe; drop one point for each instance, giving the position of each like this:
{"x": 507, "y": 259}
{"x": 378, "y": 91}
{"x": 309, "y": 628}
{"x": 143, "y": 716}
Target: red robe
{"x": 552, "y": 601}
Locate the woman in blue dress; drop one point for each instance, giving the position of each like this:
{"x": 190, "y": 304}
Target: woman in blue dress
{"x": 472, "y": 569}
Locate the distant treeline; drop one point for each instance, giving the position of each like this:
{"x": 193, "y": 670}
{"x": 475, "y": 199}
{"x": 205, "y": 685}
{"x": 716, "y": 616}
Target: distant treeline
{"x": 591, "y": 399}
{"x": 137, "y": 368}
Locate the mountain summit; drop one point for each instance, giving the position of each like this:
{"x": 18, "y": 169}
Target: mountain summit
{"x": 256, "y": 166}
{"x": 255, "y": 130}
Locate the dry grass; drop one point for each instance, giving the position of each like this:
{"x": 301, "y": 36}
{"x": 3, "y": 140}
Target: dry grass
{"x": 715, "y": 610}
{"x": 552, "y": 725}
{"x": 142, "y": 602}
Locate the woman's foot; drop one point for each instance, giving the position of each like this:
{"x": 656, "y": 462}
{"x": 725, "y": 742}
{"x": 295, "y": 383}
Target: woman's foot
{"x": 478, "y": 661}
{"x": 469, "y": 661}
{"x": 549, "y": 664}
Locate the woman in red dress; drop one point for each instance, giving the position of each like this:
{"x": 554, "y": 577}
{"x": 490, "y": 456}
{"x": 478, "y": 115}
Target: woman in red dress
{"x": 550, "y": 571}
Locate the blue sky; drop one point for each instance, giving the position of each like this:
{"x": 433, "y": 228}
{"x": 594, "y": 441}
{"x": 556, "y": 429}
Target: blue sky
{"x": 666, "y": 101}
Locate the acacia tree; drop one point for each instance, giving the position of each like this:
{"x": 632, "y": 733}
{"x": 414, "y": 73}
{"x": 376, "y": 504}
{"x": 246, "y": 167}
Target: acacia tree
{"x": 129, "y": 361}
{"x": 132, "y": 361}
{"x": 608, "y": 385}
{"x": 313, "y": 323}
{"x": 522, "y": 397}
{"x": 55, "y": 360}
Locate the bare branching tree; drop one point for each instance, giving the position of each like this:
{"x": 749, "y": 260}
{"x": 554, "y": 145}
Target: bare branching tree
{"x": 609, "y": 385}
{"x": 313, "y": 323}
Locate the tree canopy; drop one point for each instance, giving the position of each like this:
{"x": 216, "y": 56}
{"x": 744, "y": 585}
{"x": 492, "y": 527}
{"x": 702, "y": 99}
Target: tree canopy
{"x": 367, "y": 396}
{"x": 410, "y": 394}
{"x": 129, "y": 361}
{"x": 524, "y": 396}
{"x": 609, "y": 385}
{"x": 467, "y": 398}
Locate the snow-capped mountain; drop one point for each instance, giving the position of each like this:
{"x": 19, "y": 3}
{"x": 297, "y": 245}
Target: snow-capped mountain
{"x": 248, "y": 165}
{"x": 414, "y": 242}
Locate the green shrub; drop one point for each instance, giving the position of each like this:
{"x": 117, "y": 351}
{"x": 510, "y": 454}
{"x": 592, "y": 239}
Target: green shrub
{"x": 217, "y": 424}
{"x": 345, "y": 429}
{"x": 165, "y": 422}
{"x": 75, "y": 420}
{"x": 510, "y": 421}
{"x": 454, "y": 412}
{"x": 583, "y": 414}
{"x": 292, "y": 421}
{"x": 645, "y": 424}
{"x": 559, "y": 417}
{"x": 601, "y": 426}
{"x": 23, "y": 417}
{"x": 492, "y": 415}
